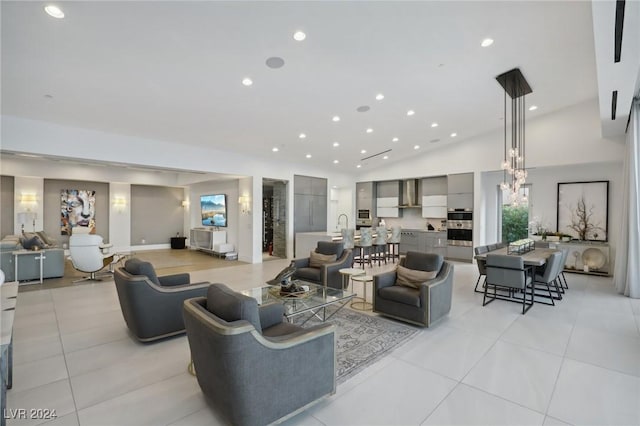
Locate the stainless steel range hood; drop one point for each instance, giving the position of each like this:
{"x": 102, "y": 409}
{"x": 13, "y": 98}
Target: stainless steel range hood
{"x": 410, "y": 194}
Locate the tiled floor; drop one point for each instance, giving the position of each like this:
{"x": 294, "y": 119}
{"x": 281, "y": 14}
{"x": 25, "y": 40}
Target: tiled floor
{"x": 575, "y": 363}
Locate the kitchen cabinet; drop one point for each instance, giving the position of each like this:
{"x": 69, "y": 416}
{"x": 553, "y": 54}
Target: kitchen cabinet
{"x": 409, "y": 240}
{"x": 309, "y": 204}
{"x": 460, "y": 201}
{"x": 433, "y": 242}
{"x": 434, "y": 206}
{"x": 364, "y": 196}
{"x": 460, "y": 183}
{"x": 434, "y": 186}
{"x": 388, "y": 199}
{"x": 460, "y": 253}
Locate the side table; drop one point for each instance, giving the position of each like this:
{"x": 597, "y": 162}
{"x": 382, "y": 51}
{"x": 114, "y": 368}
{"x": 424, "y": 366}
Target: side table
{"x": 348, "y": 273}
{"x": 40, "y": 257}
{"x": 363, "y": 305}
{"x": 178, "y": 242}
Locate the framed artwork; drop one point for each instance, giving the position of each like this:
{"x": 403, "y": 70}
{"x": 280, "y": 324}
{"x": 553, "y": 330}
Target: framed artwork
{"x": 77, "y": 209}
{"x": 583, "y": 210}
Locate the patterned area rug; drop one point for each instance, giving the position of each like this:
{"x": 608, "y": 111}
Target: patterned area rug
{"x": 363, "y": 339}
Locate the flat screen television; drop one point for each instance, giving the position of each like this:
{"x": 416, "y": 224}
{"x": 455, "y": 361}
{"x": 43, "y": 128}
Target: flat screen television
{"x": 213, "y": 210}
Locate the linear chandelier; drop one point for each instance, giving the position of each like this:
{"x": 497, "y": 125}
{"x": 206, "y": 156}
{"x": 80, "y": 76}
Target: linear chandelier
{"x": 513, "y": 163}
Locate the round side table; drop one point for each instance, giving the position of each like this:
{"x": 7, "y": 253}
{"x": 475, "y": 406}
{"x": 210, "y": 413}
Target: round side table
{"x": 362, "y": 305}
{"x": 348, "y": 273}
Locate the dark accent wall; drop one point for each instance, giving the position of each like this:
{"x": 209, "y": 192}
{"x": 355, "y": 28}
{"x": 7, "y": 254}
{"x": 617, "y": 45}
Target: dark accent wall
{"x": 51, "y": 207}
{"x": 7, "y": 199}
{"x": 156, "y": 214}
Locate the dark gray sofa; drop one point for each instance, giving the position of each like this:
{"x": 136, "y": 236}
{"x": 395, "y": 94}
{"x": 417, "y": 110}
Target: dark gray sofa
{"x": 253, "y": 367}
{"x": 152, "y": 305}
{"x": 422, "y": 306}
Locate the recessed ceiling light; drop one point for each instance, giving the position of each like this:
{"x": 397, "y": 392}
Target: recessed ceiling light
{"x": 302, "y": 136}
{"x": 395, "y": 140}
{"x": 299, "y": 36}
{"x": 434, "y": 140}
{"x": 335, "y": 161}
{"x": 363, "y": 151}
{"x": 335, "y": 187}
{"x": 358, "y": 166}
{"x": 379, "y": 97}
{"x": 410, "y": 112}
{"x": 486, "y": 42}
{"x": 48, "y": 96}
{"x": 369, "y": 130}
{"x": 275, "y": 149}
{"x": 453, "y": 135}
{"x": 434, "y": 124}
{"x": 308, "y": 155}
{"x": 533, "y": 108}
{"x": 54, "y": 11}
{"x": 416, "y": 147}
{"x": 335, "y": 118}
{"x": 247, "y": 81}
{"x": 385, "y": 157}
{"x": 363, "y": 108}
{"x": 336, "y": 144}
{"x": 275, "y": 62}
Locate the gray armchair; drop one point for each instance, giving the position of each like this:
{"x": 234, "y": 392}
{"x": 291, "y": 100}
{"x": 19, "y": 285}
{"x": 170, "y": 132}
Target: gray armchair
{"x": 254, "y": 368}
{"x": 327, "y": 274}
{"x": 423, "y": 305}
{"x": 152, "y": 305}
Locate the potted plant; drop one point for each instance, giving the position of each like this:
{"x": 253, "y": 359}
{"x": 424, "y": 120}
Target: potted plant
{"x": 537, "y": 230}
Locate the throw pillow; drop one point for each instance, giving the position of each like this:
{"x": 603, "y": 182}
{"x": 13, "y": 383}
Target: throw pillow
{"x": 316, "y": 260}
{"x": 412, "y": 277}
{"x": 50, "y": 242}
{"x": 32, "y": 243}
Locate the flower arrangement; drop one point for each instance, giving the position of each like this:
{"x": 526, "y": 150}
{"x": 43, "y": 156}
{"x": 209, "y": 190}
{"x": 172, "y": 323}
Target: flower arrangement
{"x": 537, "y": 227}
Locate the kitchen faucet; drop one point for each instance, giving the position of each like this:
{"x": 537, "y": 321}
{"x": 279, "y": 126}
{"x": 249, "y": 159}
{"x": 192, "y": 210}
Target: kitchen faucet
{"x": 346, "y": 218}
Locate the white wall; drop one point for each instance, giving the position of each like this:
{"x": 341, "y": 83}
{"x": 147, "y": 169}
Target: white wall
{"x": 341, "y": 201}
{"x": 120, "y": 217}
{"x": 31, "y": 186}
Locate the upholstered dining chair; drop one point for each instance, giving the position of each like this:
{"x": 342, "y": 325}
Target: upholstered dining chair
{"x": 86, "y": 255}
{"x": 348, "y": 237}
{"x": 482, "y": 266}
{"x": 254, "y": 368}
{"x": 508, "y": 273}
{"x": 380, "y": 245}
{"x": 550, "y": 276}
{"x": 393, "y": 243}
{"x": 364, "y": 247}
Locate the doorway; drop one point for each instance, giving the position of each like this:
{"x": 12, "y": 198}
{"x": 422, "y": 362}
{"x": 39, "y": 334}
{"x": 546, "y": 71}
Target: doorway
{"x": 274, "y": 219}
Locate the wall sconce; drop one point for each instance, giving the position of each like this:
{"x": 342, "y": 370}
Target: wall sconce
{"x": 28, "y": 200}
{"x": 119, "y": 203}
{"x": 26, "y": 217}
{"x": 245, "y": 204}
{"x": 185, "y": 204}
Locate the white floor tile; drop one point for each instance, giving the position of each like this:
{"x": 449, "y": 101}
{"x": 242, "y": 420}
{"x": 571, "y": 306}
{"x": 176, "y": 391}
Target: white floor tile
{"x": 37, "y": 348}
{"x": 635, "y": 305}
{"x": 610, "y": 302}
{"x": 164, "y": 402}
{"x": 96, "y": 357}
{"x": 543, "y": 335}
{"x": 469, "y": 406}
{"x": 74, "y": 324}
{"x": 551, "y": 421}
{"x": 37, "y": 373}
{"x": 68, "y": 420}
{"x": 36, "y": 331}
{"x": 397, "y": 394}
{"x": 485, "y": 321}
{"x": 35, "y": 319}
{"x": 608, "y": 322}
{"x": 53, "y": 396}
{"x": 450, "y": 352}
{"x": 165, "y": 359}
{"x": 608, "y": 350}
{"x": 94, "y": 336}
{"x": 516, "y": 373}
{"x": 587, "y": 394}
{"x": 204, "y": 417}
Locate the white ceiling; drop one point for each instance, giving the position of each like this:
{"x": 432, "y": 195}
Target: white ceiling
{"x": 173, "y": 70}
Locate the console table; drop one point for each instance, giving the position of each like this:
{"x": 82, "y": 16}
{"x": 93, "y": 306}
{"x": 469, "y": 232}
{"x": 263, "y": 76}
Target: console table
{"x": 587, "y": 257}
{"x": 207, "y": 239}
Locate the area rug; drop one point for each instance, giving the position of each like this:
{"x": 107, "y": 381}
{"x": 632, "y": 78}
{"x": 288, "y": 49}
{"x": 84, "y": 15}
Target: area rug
{"x": 363, "y": 339}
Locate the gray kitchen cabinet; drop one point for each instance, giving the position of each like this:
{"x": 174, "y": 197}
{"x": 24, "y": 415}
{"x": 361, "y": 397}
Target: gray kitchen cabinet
{"x": 365, "y": 196}
{"x": 434, "y": 186}
{"x": 391, "y": 188}
{"x": 409, "y": 240}
{"x": 460, "y": 201}
{"x": 309, "y": 204}
{"x": 460, "y": 253}
{"x": 433, "y": 242}
{"x": 388, "y": 199}
{"x": 460, "y": 183}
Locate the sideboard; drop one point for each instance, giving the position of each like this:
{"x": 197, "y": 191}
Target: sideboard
{"x": 206, "y": 239}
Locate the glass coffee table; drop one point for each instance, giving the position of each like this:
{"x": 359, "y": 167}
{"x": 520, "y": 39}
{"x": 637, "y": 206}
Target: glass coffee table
{"x": 313, "y": 302}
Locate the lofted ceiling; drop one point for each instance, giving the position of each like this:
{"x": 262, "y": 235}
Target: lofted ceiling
{"x": 173, "y": 71}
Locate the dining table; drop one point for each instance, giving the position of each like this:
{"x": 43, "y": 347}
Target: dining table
{"x": 535, "y": 257}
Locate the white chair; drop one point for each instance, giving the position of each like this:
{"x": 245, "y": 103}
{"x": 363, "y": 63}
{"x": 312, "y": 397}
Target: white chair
{"x": 86, "y": 254}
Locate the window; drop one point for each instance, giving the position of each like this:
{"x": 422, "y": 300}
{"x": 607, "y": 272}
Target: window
{"x": 513, "y": 221}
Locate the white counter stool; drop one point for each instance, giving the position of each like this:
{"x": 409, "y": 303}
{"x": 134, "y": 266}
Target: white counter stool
{"x": 364, "y": 247}
{"x": 348, "y": 237}
{"x": 394, "y": 243}
{"x": 362, "y": 305}
{"x": 347, "y": 273}
{"x": 380, "y": 245}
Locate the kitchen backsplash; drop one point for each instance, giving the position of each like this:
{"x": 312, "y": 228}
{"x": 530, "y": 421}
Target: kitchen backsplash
{"x": 412, "y": 219}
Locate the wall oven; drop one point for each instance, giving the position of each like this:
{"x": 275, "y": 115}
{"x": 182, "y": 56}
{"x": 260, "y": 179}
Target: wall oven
{"x": 460, "y": 228}
{"x": 364, "y": 214}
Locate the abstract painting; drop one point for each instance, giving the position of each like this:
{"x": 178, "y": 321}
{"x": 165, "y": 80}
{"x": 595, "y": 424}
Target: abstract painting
{"x": 77, "y": 210}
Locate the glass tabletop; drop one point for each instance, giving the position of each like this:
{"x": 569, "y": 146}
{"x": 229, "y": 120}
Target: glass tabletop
{"x": 317, "y": 297}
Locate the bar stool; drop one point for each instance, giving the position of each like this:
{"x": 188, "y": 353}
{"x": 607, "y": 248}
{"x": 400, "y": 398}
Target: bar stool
{"x": 364, "y": 247}
{"x": 380, "y": 245}
{"x": 348, "y": 236}
{"x": 394, "y": 243}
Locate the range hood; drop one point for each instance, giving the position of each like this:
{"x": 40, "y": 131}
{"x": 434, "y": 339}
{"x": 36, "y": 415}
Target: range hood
{"x": 410, "y": 195}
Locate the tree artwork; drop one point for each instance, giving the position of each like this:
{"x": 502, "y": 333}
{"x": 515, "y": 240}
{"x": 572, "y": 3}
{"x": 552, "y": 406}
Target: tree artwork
{"x": 582, "y": 221}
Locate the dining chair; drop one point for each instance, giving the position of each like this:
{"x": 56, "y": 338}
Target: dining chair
{"x": 380, "y": 245}
{"x": 393, "y": 243}
{"x": 565, "y": 255}
{"x": 364, "y": 247}
{"x": 550, "y": 276}
{"x": 482, "y": 266}
{"x": 508, "y": 273}
{"x": 492, "y": 247}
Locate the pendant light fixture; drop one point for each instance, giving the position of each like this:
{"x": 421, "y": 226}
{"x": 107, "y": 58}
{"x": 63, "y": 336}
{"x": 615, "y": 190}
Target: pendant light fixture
{"x": 513, "y": 162}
